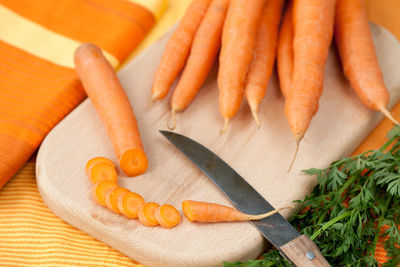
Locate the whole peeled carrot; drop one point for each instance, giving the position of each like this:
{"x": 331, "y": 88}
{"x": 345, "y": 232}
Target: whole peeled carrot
{"x": 264, "y": 57}
{"x": 313, "y": 22}
{"x": 206, "y": 44}
{"x": 178, "y": 48}
{"x": 199, "y": 211}
{"x": 284, "y": 60}
{"x": 354, "y": 41}
{"x": 101, "y": 84}
{"x": 238, "y": 41}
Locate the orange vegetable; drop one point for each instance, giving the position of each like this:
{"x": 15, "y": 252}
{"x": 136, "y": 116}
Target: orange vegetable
{"x": 167, "y": 216}
{"x": 264, "y": 57}
{"x": 107, "y": 95}
{"x": 96, "y": 160}
{"x": 102, "y": 171}
{"x": 356, "y": 49}
{"x": 206, "y": 44}
{"x": 285, "y": 51}
{"x": 313, "y": 29}
{"x": 238, "y": 41}
{"x": 146, "y": 214}
{"x": 100, "y": 189}
{"x": 129, "y": 203}
{"x": 199, "y": 211}
{"x": 112, "y": 196}
{"x": 178, "y": 48}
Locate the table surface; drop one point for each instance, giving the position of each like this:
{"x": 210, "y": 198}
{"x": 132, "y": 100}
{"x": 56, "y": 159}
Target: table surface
{"x": 21, "y": 222}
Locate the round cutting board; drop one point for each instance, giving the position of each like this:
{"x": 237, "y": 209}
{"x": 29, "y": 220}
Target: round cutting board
{"x": 261, "y": 156}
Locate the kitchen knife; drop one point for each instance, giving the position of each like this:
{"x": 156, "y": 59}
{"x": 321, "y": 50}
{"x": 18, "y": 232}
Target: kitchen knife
{"x": 298, "y": 249}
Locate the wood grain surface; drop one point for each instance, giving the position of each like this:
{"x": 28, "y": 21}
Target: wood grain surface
{"x": 261, "y": 156}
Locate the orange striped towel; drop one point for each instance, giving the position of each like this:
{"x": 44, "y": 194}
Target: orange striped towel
{"x": 38, "y": 85}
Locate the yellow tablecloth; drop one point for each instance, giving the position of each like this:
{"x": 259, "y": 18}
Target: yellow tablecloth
{"x": 30, "y": 234}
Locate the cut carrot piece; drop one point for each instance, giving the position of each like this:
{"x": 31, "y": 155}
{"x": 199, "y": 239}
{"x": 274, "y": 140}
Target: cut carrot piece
{"x": 211, "y": 212}
{"x": 146, "y": 214}
{"x": 167, "y": 216}
{"x": 129, "y": 203}
{"x": 133, "y": 162}
{"x": 100, "y": 189}
{"x": 112, "y": 196}
{"x": 102, "y": 171}
{"x": 105, "y": 91}
{"x": 96, "y": 160}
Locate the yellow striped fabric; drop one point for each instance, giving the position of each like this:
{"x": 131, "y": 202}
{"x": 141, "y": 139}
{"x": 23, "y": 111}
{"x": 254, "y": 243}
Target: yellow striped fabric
{"x": 30, "y": 234}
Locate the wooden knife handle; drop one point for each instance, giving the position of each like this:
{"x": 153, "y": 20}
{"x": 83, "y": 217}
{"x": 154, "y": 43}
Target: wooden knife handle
{"x": 304, "y": 253}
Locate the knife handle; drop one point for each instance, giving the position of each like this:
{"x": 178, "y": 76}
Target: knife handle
{"x": 303, "y": 252}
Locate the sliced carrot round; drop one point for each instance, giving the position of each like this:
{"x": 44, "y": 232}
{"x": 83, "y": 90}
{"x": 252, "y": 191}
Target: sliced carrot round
{"x": 102, "y": 171}
{"x": 96, "y": 160}
{"x": 133, "y": 162}
{"x": 146, "y": 214}
{"x": 100, "y": 189}
{"x": 129, "y": 203}
{"x": 112, "y": 196}
{"x": 167, "y": 216}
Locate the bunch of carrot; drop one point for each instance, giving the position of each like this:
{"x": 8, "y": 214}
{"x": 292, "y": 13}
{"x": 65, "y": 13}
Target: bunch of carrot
{"x": 249, "y": 37}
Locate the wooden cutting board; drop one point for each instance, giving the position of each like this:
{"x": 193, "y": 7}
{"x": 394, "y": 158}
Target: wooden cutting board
{"x": 261, "y": 156}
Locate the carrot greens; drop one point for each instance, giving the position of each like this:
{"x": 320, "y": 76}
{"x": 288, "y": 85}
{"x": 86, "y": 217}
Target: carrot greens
{"x": 355, "y": 206}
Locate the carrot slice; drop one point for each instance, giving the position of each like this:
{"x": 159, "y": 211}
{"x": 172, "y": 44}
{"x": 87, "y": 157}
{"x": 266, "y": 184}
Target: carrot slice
{"x": 102, "y": 171}
{"x": 146, "y": 214}
{"x": 112, "y": 196}
{"x": 133, "y": 162}
{"x": 100, "y": 189}
{"x": 129, "y": 203}
{"x": 96, "y": 160}
{"x": 167, "y": 216}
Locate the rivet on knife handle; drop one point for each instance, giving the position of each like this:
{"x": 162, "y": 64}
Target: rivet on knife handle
{"x": 304, "y": 253}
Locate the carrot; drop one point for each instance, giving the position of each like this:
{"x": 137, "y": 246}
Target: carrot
{"x": 146, "y": 214}
{"x": 354, "y": 41}
{"x": 264, "y": 56}
{"x": 100, "y": 189}
{"x": 167, "y": 216}
{"x": 285, "y": 51}
{"x": 102, "y": 171}
{"x": 112, "y": 196}
{"x": 313, "y": 29}
{"x": 206, "y": 44}
{"x": 96, "y": 160}
{"x": 199, "y": 211}
{"x": 107, "y": 95}
{"x": 129, "y": 203}
{"x": 238, "y": 41}
{"x": 178, "y": 48}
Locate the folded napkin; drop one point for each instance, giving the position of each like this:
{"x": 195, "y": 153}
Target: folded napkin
{"x": 38, "y": 85}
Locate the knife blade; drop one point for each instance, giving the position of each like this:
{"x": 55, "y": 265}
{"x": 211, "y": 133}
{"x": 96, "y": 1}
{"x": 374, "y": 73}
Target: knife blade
{"x": 298, "y": 249}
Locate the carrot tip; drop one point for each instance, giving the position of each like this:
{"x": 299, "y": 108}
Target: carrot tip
{"x": 388, "y": 115}
{"x": 171, "y": 120}
{"x": 154, "y": 98}
{"x": 255, "y": 116}
{"x": 223, "y": 130}
{"x": 295, "y": 154}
